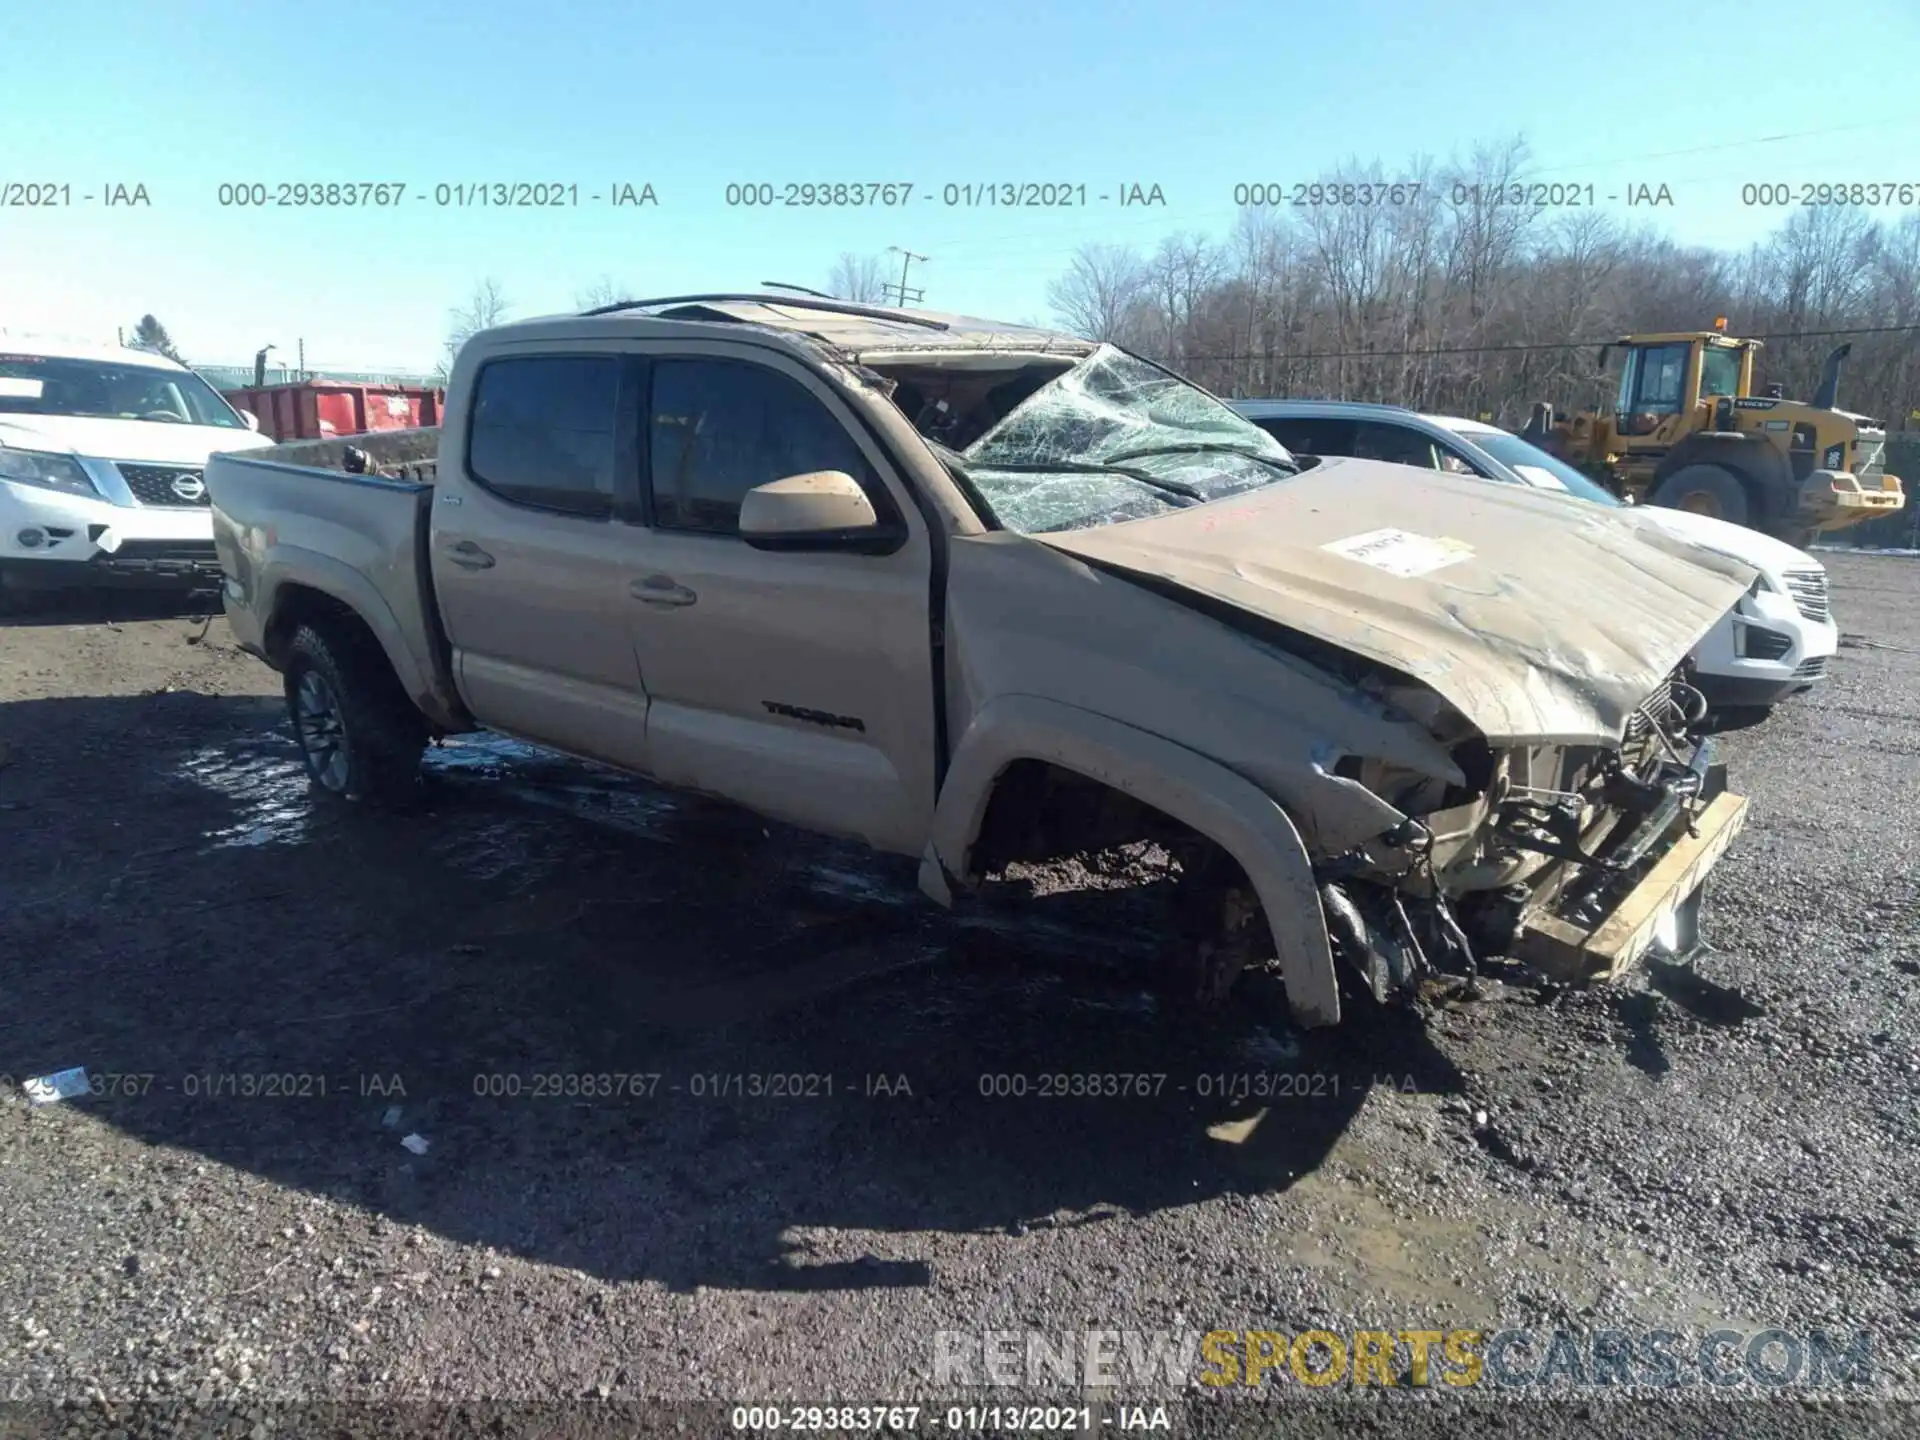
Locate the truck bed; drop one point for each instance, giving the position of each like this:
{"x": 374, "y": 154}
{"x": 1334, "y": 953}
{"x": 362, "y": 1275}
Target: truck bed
{"x": 398, "y": 454}
{"x": 287, "y": 534}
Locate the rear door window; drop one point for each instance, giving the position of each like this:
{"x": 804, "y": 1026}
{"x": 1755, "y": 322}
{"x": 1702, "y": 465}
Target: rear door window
{"x": 542, "y": 432}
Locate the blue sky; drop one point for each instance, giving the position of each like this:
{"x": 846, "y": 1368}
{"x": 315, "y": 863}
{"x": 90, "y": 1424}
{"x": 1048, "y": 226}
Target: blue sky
{"x": 184, "y": 96}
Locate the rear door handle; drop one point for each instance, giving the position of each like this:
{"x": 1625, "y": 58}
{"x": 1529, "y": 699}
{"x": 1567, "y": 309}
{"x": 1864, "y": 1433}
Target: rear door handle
{"x": 469, "y": 556}
{"x": 661, "y": 590}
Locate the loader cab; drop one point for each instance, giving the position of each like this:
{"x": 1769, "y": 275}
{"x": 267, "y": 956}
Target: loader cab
{"x": 1670, "y": 384}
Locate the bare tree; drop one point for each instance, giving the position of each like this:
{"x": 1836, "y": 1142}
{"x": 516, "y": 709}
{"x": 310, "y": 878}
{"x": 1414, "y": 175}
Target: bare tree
{"x": 485, "y": 307}
{"x": 1443, "y": 293}
{"x": 1104, "y": 289}
{"x": 604, "y": 291}
{"x": 1181, "y": 273}
{"x": 859, "y": 278}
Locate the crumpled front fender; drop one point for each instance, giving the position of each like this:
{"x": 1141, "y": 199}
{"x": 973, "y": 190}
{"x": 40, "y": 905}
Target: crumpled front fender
{"x": 1196, "y": 791}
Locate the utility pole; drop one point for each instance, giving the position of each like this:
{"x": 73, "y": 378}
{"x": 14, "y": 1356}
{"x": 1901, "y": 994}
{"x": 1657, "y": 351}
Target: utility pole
{"x": 901, "y": 293}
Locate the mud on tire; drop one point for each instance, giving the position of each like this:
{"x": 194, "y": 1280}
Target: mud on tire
{"x": 359, "y": 734}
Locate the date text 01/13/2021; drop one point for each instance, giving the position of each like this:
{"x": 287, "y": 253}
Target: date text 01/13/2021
{"x": 973, "y": 194}
{"x": 444, "y": 195}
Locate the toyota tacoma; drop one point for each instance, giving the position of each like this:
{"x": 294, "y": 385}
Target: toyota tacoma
{"x": 980, "y": 593}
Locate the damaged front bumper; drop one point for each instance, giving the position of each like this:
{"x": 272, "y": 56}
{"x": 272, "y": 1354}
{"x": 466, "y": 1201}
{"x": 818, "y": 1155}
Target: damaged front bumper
{"x": 1639, "y": 887}
{"x": 1661, "y": 909}
{"x": 1620, "y": 879}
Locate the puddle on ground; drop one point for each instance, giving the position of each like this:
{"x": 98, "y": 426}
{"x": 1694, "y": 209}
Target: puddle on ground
{"x": 546, "y": 778}
{"x": 267, "y": 784}
{"x": 849, "y": 884}
{"x": 483, "y": 821}
{"x": 491, "y": 821}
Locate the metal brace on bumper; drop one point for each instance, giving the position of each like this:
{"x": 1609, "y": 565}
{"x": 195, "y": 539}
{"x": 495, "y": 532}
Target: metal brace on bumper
{"x": 1625, "y": 933}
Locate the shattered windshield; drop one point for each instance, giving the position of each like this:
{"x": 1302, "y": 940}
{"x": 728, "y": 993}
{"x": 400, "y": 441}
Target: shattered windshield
{"x": 1117, "y": 438}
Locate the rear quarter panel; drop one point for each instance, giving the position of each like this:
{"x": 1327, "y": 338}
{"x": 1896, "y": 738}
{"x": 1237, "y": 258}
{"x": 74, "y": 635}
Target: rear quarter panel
{"x": 353, "y": 538}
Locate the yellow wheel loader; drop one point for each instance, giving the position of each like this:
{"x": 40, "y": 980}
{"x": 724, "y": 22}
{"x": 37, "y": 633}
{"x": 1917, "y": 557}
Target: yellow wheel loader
{"x": 1687, "y": 432}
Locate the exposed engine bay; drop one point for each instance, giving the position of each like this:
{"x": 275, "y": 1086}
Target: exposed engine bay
{"x": 1560, "y": 830}
{"x": 1524, "y": 824}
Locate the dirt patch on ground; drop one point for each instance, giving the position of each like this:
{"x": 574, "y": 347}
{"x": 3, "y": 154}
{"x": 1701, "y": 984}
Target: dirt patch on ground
{"x": 714, "y": 1110}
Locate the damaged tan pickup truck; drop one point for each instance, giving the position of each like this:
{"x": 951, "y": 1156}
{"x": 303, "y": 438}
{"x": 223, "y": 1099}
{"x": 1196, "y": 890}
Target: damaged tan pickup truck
{"x": 979, "y": 593}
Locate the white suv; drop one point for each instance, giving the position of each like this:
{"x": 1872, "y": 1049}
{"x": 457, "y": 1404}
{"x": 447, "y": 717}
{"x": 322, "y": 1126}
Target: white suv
{"x": 1774, "y": 643}
{"x": 101, "y": 452}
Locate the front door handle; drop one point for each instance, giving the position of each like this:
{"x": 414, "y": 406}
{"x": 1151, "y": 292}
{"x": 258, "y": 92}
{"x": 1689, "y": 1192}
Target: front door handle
{"x": 469, "y": 556}
{"x": 661, "y": 590}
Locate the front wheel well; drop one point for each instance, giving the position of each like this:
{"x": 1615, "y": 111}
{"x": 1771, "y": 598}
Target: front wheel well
{"x": 1039, "y": 811}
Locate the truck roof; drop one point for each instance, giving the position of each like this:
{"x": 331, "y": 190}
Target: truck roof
{"x": 858, "y": 331}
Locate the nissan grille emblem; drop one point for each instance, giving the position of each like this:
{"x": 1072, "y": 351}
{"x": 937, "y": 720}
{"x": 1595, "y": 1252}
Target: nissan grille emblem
{"x": 189, "y": 486}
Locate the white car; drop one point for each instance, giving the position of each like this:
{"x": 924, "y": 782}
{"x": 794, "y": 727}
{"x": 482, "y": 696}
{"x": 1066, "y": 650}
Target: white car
{"x": 101, "y": 452}
{"x": 1774, "y": 643}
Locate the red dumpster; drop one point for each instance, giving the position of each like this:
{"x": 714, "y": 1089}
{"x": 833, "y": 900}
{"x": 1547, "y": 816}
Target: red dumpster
{"x": 319, "y": 409}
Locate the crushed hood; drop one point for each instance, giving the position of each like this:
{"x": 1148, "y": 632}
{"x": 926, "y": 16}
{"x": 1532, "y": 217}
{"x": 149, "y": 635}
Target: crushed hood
{"x": 1539, "y": 621}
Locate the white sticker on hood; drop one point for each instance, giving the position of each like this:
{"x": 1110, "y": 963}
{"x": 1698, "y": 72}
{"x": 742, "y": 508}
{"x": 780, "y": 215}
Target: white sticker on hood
{"x": 1401, "y": 552}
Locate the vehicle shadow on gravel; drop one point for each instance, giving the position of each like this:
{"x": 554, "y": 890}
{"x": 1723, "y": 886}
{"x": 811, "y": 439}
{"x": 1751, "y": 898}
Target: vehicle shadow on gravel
{"x": 103, "y": 607}
{"x": 640, "y": 1036}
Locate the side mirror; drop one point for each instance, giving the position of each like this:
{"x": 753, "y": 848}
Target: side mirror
{"x": 253, "y": 420}
{"x": 821, "y": 510}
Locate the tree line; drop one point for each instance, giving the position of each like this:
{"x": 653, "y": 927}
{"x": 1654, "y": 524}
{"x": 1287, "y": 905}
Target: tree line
{"x": 1451, "y": 300}
{"x": 1457, "y": 302}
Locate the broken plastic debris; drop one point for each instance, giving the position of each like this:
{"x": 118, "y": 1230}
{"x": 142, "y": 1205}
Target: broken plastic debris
{"x": 418, "y": 1144}
{"x": 392, "y": 1117}
{"x": 61, "y": 1085}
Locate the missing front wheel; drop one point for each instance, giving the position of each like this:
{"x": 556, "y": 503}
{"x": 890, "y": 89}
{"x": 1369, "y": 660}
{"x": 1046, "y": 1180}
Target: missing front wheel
{"x": 1222, "y": 930}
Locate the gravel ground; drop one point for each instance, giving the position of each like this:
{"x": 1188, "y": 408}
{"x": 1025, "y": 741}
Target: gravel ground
{"x": 269, "y": 999}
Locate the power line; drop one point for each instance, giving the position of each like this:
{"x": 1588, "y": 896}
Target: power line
{"x": 1529, "y": 346}
{"x": 1732, "y": 144}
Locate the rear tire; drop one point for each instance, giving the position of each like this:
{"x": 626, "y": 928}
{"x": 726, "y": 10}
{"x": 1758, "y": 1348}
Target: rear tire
{"x": 1704, "y": 490}
{"x": 359, "y": 734}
